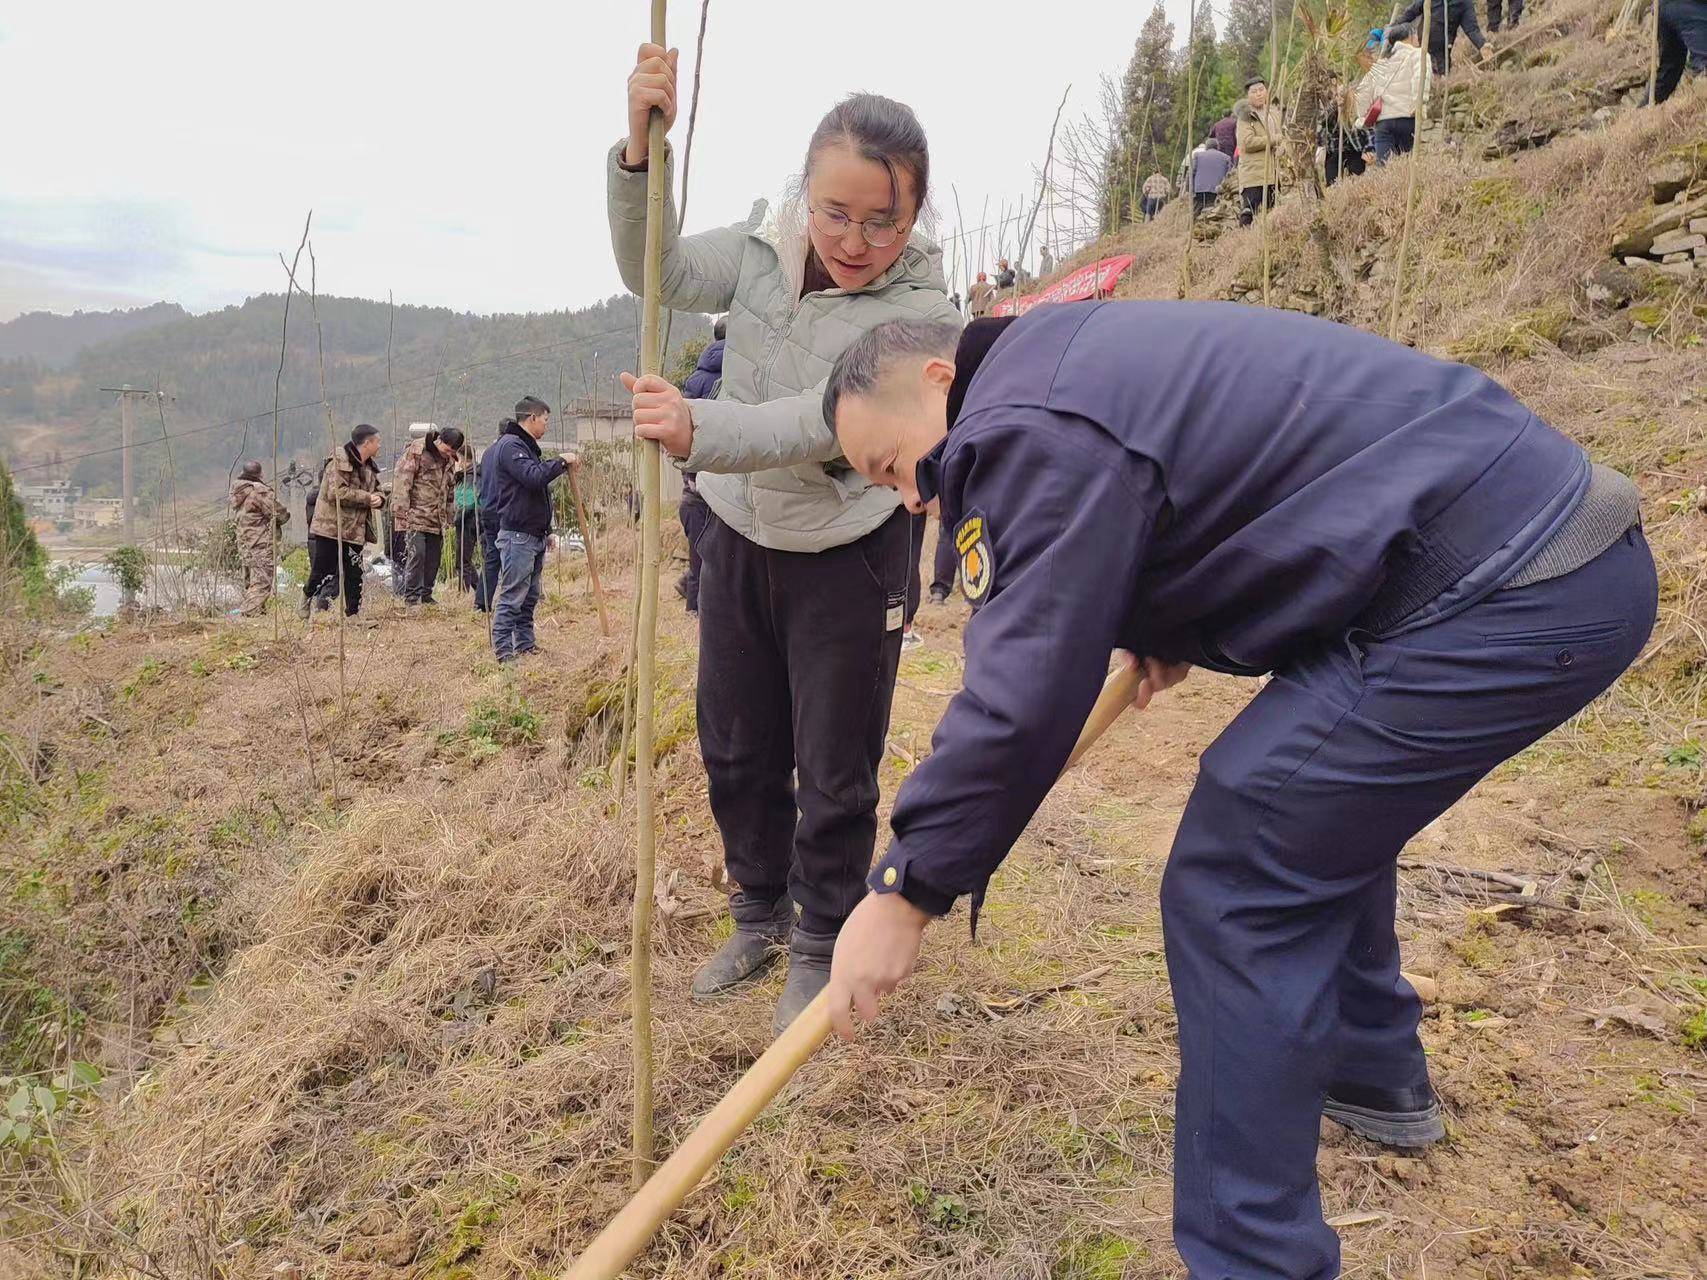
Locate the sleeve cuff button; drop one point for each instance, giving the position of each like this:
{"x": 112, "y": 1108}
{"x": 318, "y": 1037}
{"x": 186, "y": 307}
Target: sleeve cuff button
{"x": 889, "y": 877}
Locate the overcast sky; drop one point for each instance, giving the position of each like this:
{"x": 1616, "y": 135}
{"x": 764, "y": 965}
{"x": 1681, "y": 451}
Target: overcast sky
{"x": 454, "y": 154}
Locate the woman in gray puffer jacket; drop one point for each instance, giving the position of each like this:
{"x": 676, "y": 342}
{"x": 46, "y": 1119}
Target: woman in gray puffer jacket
{"x": 804, "y": 564}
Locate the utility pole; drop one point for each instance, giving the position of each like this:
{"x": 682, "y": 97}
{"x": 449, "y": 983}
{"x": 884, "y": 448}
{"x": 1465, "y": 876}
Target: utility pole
{"x": 124, "y": 394}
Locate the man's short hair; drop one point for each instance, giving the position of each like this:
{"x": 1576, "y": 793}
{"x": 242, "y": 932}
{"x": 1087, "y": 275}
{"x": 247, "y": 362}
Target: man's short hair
{"x": 859, "y": 368}
{"x": 362, "y": 431}
{"x": 1254, "y": 81}
{"x": 720, "y": 328}
{"x": 250, "y": 471}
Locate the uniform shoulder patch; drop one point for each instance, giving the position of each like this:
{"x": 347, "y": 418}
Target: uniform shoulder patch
{"x": 977, "y": 559}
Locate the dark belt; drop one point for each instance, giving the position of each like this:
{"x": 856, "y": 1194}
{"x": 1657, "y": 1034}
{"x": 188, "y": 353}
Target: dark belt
{"x": 1608, "y": 507}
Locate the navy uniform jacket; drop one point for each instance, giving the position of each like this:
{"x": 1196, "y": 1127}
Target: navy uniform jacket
{"x": 520, "y": 485}
{"x": 702, "y": 383}
{"x": 1109, "y": 487}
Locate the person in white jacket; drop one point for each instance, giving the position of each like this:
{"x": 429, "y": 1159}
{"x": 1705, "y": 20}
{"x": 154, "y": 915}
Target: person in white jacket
{"x": 804, "y": 564}
{"x": 1398, "y": 83}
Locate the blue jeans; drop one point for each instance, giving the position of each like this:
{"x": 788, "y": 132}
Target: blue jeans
{"x": 1279, "y": 896}
{"x": 521, "y": 563}
{"x": 1394, "y": 137}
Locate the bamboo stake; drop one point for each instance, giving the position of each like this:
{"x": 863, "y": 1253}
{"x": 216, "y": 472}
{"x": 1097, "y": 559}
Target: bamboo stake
{"x": 1411, "y": 180}
{"x": 563, "y": 416}
{"x": 1042, "y": 187}
{"x": 592, "y": 560}
{"x": 638, "y": 1221}
{"x": 278, "y": 380}
{"x": 651, "y": 482}
{"x": 1654, "y": 57}
{"x": 1268, "y": 159}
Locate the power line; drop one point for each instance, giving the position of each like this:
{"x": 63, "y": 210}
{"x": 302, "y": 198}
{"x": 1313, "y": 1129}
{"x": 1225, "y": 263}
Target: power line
{"x": 316, "y": 403}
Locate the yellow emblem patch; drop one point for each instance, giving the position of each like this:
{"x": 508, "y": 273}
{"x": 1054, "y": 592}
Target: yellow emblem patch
{"x": 977, "y": 560}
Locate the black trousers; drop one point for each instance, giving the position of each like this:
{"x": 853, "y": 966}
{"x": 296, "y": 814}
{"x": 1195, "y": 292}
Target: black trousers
{"x": 1509, "y": 13}
{"x": 1342, "y": 157}
{"x": 693, "y": 514}
{"x": 1254, "y": 198}
{"x": 398, "y": 554}
{"x": 1201, "y": 200}
{"x": 797, "y": 658}
{"x": 425, "y": 551}
{"x": 323, "y": 572}
{"x": 467, "y": 539}
{"x": 1683, "y": 42}
{"x": 915, "y": 558}
{"x": 946, "y": 563}
{"x": 487, "y": 592}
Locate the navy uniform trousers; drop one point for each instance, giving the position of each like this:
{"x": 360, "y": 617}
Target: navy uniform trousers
{"x": 1279, "y": 897}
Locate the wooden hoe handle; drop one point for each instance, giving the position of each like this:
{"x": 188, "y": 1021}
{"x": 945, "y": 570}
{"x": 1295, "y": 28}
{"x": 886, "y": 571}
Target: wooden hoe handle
{"x": 634, "y": 1226}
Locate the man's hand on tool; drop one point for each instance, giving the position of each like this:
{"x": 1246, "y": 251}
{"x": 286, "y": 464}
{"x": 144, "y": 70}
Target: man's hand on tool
{"x": 1158, "y": 675}
{"x": 660, "y": 413}
{"x": 875, "y": 953}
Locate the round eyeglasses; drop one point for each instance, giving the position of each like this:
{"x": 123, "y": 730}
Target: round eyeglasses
{"x": 879, "y": 233}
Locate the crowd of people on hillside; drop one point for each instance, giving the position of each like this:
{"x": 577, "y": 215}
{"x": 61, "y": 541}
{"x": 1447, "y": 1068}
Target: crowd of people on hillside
{"x": 499, "y": 509}
{"x": 1373, "y": 119}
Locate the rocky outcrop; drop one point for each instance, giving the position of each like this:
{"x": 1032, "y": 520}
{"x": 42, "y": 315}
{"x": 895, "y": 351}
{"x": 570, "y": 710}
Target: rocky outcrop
{"x": 1671, "y": 235}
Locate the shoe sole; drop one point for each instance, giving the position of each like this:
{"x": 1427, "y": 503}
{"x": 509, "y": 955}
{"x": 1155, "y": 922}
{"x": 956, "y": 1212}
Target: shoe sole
{"x": 1391, "y": 1128}
{"x": 711, "y": 997}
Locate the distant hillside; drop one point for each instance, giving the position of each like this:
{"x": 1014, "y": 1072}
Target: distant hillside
{"x": 55, "y": 341}
{"x": 453, "y": 368}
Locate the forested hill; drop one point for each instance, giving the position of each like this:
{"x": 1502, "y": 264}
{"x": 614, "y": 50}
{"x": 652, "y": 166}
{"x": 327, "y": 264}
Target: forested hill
{"x": 55, "y": 341}
{"x": 218, "y": 370}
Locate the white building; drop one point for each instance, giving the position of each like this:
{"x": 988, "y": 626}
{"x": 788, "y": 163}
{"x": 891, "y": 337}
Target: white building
{"x": 99, "y": 513}
{"x": 50, "y": 501}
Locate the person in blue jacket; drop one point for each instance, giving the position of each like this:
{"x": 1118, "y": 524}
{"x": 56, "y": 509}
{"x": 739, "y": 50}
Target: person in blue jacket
{"x": 701, "y": 384}
{"x": 521, "y": 493}
{"x": 1434, "y": 577}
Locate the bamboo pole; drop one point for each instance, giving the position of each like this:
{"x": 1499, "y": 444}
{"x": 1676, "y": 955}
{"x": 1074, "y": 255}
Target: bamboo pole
{"x": 1411, "y": 179}
{"x": 563, "y": 416}
{"x": 638, "y": 1221}
{"x": 1268, "y": 159}
{"x": 1654, "y": 57}
{"x": 592, "y": 560}
{"x": 651, "y": 482}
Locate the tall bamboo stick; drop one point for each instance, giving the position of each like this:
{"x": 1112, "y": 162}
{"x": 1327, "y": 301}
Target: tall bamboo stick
{"x": 645, "y": 846}
{"x": 1654, "y": 57}
{"x": 1423, "y": 86}
{"x": 634, "y": 1226}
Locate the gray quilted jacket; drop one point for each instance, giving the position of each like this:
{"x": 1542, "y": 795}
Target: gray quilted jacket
{"x": 769, "y": 466}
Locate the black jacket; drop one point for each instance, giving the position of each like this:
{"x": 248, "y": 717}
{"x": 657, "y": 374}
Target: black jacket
{"x": 521, "y": 482}
{"x": 1445, "y": 20}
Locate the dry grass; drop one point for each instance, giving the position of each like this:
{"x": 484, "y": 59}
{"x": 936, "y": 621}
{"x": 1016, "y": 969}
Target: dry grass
{"x": 385, "y": 1035}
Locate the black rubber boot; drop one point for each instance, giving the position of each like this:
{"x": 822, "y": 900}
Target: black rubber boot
{"x": 762, "y": 930}
{"x": 809, "y": 956}
{"x": 1396, "y": 1117}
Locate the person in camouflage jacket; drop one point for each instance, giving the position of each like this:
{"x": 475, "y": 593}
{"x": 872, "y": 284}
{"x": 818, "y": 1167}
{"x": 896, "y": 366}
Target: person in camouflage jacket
{"x": 260, "y": 516}
{"x": 422, "y": 497}
{"x": 345, "y": 518}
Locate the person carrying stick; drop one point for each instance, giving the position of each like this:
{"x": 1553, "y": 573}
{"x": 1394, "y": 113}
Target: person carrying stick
{"x": 802, "y": 591}
{"x": 1434, "y": 577}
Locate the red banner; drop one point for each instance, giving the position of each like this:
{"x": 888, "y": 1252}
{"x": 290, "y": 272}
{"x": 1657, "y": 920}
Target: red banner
{"x": 1095, "y": 281}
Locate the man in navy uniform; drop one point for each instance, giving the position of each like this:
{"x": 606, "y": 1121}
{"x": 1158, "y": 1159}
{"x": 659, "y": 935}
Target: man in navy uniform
{"x": 1435, "y": 578}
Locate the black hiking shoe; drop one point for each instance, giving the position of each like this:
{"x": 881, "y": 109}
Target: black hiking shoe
{"x": 1395, "y": 1117}
{"x": 761, "y": 934}
{"x": 809, "y": 956}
